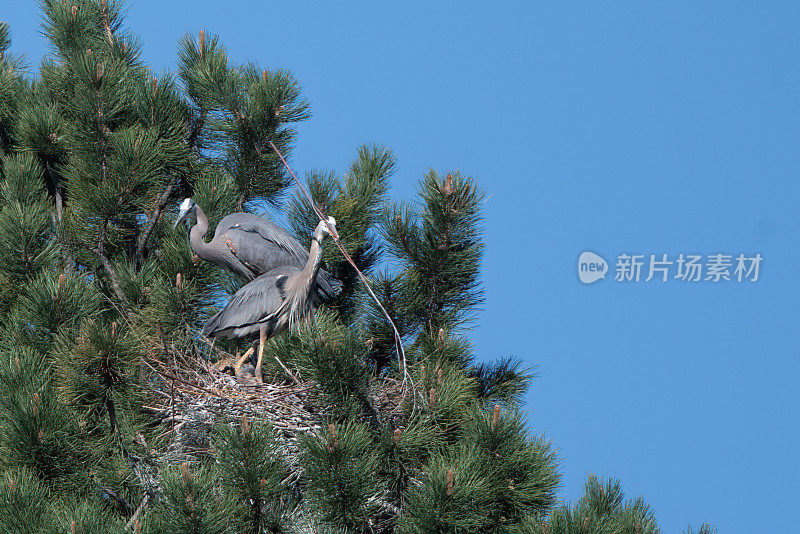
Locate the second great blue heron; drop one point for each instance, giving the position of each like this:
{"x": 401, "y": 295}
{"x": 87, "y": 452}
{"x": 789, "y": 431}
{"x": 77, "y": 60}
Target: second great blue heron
{"x": 250, "y": 245}
{"x": 273, "y": 302}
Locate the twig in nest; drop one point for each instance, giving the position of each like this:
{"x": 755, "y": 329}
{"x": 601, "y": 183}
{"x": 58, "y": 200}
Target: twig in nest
{"x": 171, "y": 430}
{"x": 288, "y": 372}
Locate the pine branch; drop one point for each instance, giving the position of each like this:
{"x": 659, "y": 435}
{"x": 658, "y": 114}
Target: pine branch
{"x": 106, "y": 23}
{"x": 112, "y": 275}
{"x": 112, "y": 411}
{"x": 131, "y": 524}
{"x": 56, "y": 180}
{"x": 153, "y": 219}
{"x": 123, "y": 505}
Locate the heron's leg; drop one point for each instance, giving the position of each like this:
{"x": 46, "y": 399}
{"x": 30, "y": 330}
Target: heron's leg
{"x": 222, "y": 363}
{"x": 240, "y": 361}
{"x": 262, "y": 333}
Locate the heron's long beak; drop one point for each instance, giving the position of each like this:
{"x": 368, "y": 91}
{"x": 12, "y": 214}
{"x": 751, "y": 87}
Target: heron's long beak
{"x": 330, "y": 222}
{"x": 332, "y": 231}
{"x": 181, "y": 217}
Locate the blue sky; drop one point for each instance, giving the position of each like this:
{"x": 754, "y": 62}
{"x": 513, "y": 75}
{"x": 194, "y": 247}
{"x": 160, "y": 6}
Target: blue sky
{"x": 616, "y": 127}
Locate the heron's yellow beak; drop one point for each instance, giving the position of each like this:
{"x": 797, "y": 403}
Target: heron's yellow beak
{"x": 181, "y": 217}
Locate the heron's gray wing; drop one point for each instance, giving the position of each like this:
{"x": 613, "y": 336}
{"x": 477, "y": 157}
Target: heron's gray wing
{"x": 258, "y": 254}
{"x": 253, "y": 303}
{"x": 262, "y": 245}
{"x": 328, "y": 287}
{"x": 260, "y": 230}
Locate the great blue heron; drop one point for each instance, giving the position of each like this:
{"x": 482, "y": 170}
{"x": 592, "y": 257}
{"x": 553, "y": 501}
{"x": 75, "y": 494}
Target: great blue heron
{"x": 273, "y": 302}
{"x": 250, "y": 245}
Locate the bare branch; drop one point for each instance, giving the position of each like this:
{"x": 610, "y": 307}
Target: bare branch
{"x": 153, "y": 219}
{"x": 138, "y": 512}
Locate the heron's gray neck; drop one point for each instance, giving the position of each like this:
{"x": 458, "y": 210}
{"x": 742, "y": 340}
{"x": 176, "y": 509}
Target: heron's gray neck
{"x": 196, "y": 234}
{"x": 314, "y": 257}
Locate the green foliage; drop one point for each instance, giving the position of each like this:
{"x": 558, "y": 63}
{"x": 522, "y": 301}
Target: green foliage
{"x": 454, "y": 495}
{"x": 12, "y": 90}
{"x": 523, "y": 470}
{"x": 445, "y": 397}
{"x": 356, "y": 201}
{"x": 23, "y": 504}
{"x": 97, "y": 376}
{"x": 383, "y": 352}
{"x": 493, "y": 480}
{"x": 41, "y": 129}
{"x": 332, "y": 355}
{"x": 439, "y": 243}
{"x": 81, "y": 24}
{"x": 238, "y": 110}
{"x": 340, "y": 466}
{"x": 603, "y": 510}
{"x": 503, "y": 381}
{"x": 87, "y": 516}
{"x": 252, "y": 473}
{"x": 191, "y": 504}
{"x": 51, "y": 304}
{"x": 26, "y": 244}
{"x": 23, "y": 180}
{"x": 5, "y": 38}
{"x": 705, "y": 528}
{"x": 401, "y": 453}
{"x": 37, "y": 433}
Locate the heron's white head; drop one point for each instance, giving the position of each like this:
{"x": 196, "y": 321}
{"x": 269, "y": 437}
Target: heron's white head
{"x": 187, "y": 209}
{"x": 327, "y": 229}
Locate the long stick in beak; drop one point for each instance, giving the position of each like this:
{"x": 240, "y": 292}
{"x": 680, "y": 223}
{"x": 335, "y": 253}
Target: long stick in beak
{"x": 398, "y": 339}
{"x": 331, "y": 228}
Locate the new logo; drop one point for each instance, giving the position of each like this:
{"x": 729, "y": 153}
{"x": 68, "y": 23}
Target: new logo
{"x": 591, "y": 267}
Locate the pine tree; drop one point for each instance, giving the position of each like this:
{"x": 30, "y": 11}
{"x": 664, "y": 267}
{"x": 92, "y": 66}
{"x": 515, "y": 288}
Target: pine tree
{"x": 103, "y": 299}
{"x": 705, "y": 528}
{"x": 602, "y": 510}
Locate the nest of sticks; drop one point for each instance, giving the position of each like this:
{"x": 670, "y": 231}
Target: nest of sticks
{"x": 190, "y": 396}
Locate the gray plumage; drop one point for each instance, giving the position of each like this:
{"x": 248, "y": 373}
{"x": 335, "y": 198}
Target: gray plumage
{"x": 274, "y": 301}
{"x": 262, "y": 303}
{"x": 250, "y": 246}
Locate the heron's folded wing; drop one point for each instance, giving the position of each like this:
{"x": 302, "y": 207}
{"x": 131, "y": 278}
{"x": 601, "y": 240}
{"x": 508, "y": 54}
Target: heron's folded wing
{"x": 258, "y": 254}
{"x": 268, "y": 231}
{"x": 270, "y": 250}
{"x": 253, "y": 303}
